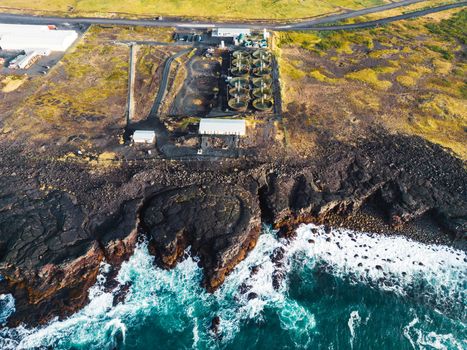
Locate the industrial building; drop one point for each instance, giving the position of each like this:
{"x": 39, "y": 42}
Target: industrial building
{"x": 32, "y": 37}
{"x": 215, "y": 126}
{"x": 24, "y": 61}
{"x": 230, "y": 32}
{"x": 144, "y": 136}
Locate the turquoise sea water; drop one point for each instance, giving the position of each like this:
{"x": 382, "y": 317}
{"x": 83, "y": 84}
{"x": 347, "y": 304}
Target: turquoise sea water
{"x": 338, "y": 290}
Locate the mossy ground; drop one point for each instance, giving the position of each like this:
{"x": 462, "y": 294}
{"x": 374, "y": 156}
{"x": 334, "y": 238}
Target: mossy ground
{"x": 81, "y": 102}
{"x": 406, "y": 77}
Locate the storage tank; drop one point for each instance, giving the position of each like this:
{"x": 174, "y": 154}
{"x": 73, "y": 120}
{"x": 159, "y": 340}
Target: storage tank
{"x": 239, "y": 82}
{"x": 263, "y": 104}
{"x": 238, "y": 103}
{"x": 263, "y": 92}
{"x": 262, "y": 54}
{"x": 240, "y": 54}
{"x": 265, "y": 81}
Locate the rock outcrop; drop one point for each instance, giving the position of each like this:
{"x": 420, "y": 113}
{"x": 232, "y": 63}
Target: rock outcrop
{"x": 406, "y": 177}
{"x": 59, "y": 220}
{"x": 219, "y": 223}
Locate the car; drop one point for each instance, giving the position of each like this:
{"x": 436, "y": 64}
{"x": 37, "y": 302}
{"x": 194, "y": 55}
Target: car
{"x": 46, "y": 67}
{"x": 43, "y": 72}
{"x": 158, "y": 18}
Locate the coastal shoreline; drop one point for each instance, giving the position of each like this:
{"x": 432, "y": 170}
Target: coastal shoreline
{"x": 74, "y": 217}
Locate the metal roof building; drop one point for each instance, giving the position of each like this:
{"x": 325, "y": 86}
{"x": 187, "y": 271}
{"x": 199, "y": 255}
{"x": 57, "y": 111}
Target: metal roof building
{"x": 230, "y": 32}
{"x": 25, "y": 60}
{"x": 216, "y": 126}
{"x": 144, "y": 136}
{"x": 30, "y": 37}
{"x": 15, "y": 28}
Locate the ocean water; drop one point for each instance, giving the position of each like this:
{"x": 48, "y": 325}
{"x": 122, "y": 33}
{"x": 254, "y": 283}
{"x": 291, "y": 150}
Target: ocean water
{"x": 322, "y": 290}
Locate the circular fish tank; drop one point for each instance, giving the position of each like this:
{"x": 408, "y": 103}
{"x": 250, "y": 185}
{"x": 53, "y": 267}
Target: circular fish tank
{"x": 240, "y": 71}
{"x": 238, "y": 104}
{"x": 262, "y": 54}
{"x": 263, "y": 104}
{"x": 258, "y": 62}
{"x": 239, "y": 82}
{"x": 265, "y": 81}
{"x": 240, "y": 54}
{"x": 262, "y": 92}
{"x": 259, "y": 72}
{"x": 240, "y": 91}
{"x": 240, "y": 62}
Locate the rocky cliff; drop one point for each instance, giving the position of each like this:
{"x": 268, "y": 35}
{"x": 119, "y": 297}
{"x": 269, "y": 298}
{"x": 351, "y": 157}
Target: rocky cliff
{"x": 60, "y": 220}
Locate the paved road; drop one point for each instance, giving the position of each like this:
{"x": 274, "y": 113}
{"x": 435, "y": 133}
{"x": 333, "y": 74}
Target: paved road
{"x": 152, "y": 122}
{"x": 164, "y": 81}
{"x": 131, "y": 85}
{"x": 386, "y": 20}
{"x": 308, "y": 24}
{"x": 151, "y": 43}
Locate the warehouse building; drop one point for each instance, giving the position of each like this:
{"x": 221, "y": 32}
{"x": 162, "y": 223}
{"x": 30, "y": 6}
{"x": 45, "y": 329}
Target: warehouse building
{"x": 144, "y": 136}
{"x": 213, "y": 126}
{"x": 32, "y": 37}
{"x": 24, "y": 61}
{"x": 230, "y": 32}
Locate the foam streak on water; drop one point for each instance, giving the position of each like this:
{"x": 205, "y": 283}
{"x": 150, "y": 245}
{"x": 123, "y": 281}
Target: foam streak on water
{"x": 320, "y": 290}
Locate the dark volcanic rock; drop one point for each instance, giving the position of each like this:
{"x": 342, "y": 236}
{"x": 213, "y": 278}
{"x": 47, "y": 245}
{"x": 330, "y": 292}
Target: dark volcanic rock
{"x": 59, "y": 220}
{"x": 220, "y": 224}
{"x": 51, "y": 245}
{"x": 405, "y": 176}
{"x": 215, "y": 323}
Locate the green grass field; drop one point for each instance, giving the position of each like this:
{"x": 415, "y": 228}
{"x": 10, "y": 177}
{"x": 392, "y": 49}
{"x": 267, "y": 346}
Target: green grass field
{"x": 408, "y": 77}
{"x": 248, "y": 9}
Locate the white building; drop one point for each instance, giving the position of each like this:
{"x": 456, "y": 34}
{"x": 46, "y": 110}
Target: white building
{"x": 230, "y": 32}
{"x": 213, "y": 126}
{"x": 144, "y": 136}
{"x": 31, "y": 37}
{"x": 15, "y": 28}
{"x": 27, "y": 59}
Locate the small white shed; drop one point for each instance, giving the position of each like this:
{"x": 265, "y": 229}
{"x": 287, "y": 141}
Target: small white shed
{"x": 217, "y": 126}
{"x": 144, "y": 136}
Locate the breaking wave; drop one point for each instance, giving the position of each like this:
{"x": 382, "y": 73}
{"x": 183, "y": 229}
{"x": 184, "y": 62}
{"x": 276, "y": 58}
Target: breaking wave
{"x": 324, "y": 289}
{"x": 7, "y": 307}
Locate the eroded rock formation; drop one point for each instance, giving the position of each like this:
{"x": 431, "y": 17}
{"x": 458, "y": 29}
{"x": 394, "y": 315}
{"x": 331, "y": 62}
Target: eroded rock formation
{"x": 59, "y": 221}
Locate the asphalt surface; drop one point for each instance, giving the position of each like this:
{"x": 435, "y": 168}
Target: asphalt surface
{"x": 308, "y": 24}
{"x": 386, "y": 20}
{"x": 131, "y": 83}
{"x": 164, "y": 81}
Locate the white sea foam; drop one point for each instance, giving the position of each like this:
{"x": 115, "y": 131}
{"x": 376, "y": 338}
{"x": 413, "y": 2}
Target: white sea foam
{"x": 174, "y": 301}
{"x": 433, "y": 274}
{"x": 353, "y": 323}
{"x": 7, "y": 307}
{"x": 422, "y": 338}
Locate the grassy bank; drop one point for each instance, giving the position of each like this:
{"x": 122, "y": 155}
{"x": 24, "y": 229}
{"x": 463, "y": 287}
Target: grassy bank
{"x": 406, "y": 77}
{"x": 254, "y": 9}
{"x": 81, "y": 102}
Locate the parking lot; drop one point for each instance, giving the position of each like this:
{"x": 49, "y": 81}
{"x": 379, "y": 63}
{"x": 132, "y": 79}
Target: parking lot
{"x": 44, "y": 63}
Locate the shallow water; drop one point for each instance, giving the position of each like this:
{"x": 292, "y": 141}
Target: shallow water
{"x": 339, "y": 290}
